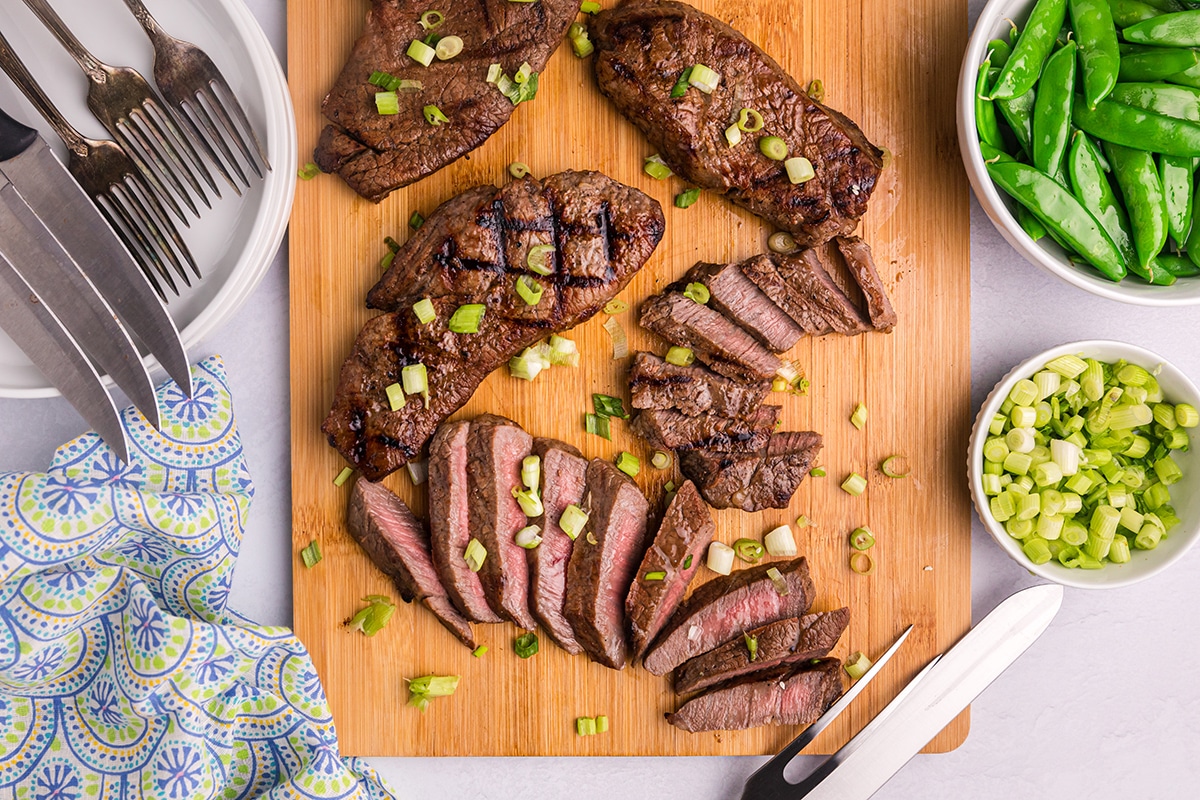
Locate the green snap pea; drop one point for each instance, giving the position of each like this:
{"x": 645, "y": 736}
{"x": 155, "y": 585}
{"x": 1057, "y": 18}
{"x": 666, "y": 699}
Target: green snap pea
{"x": 1131, "y": 12}
{"x": 1144, "y": 199}
{"x": 1144, "y": 63}
{"x": 1133, "y": 127}
{"x": 1052, "y": 112}
{"x": 998, "y": 52}
{"x": 1018, "y": 113}
{"x": 1091, "y": 188}
{"x": 1061, "y": 214}
{"x": 1166, "y": 5}
{"x": 1176, "y": 174}
{"x": 1178, "y": 266}
{"x": 1180, "y": 29}
{"x": 1030, "y": 224}
{"x": 1159, "y": 274}
{"x": 1180, "y": 102}
{"x": 985, "y": 110}
{"x": 1021, "y": 70}
{"x": 1099, "y": 57}
{"x": 1192, "y": 245}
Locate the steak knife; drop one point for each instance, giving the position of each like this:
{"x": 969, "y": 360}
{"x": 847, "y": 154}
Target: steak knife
{"x": 43, "y": 339}
{"x": 66, "y": 210}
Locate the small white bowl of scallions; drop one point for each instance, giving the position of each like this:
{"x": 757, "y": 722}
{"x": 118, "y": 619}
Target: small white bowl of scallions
{"x": 1081, "y": 466}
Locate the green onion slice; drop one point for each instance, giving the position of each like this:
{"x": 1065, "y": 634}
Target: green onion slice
{"x": 782, "y": 242}
{"x": 597, "y": 426}
{"x": 613, "y": 307}
{"x": 425, "y": 311}
{"x": 479, "y": 651}
{"x": 529, "y": 290}
{"x": 704, "y": 78}
{"x": 751, "y": 645}
{"x": 628, "y": 463}
{"x": 372, "y": 619}
{"x": 581, "y": 43}
{"x": 541, "y": 259}
{"x": 697, "y": 292}
{"x": 609, "y": 406}
{"x": 466, "y": 318}
{"x": 687, "y": 198}
{"x": 585, "y": 726}
{"x": 857, "y": 666}
{"x": 528, "y": 537}
{"x": 448, "y": 47}
{"x": 799, "y": 170}
{"x": 518, "y": 169}
{"x": 669, "y": 487}
{"x": 526, "y": 645}
{"x": 387, "y": 103}
{"x": 859, "y": 418}
{"x": 854, "y": 484}
{"x": 656, "y": 168}
{"x": 681, "y": 85}
{"x": 816, "y": 90}
{"x": 780, "y": 542}
{"x": 749, "y": 550}
{"x": 563, "y": 352}
{"x": 434, "y": 115}
{"x": 862, "y": 539}
{"x": 889, "y": 468}
{"x": 422, "y": 53}
{"x": 590, "y": 7}
{"x": 395, "y": 397}
{"x": 601, "y": 721}
{"x": 475, "y": 554}
{"x": 385, "y": 263}
{"x": 653, "y": 577}
{"x": 733, "y": 135}
{"x": 620, "y": 342}
{"x": 749, "y": 120}
{"x": 416, "y": 221}
{"x": 308, "y": 172}
{"x": 680, "y": 356}
{"x": 687, "y": 562}
{"x": 819, "y": 472}
{"x": 781, "y": 587}
{"x": 531, "y": 472}
{"x": 529, "y": 501}
{"x": 573, "y": 521}
{"x": 415, "y": 379}
{"x": 862, "y": 563}
{"x": 311, "y": 555}
{"x": 343, "y": 476}
{"x": 660, "y": 460}
{"x": 773, "y": 148}
{"x": 495, "y": 71}
{"x": 431, "y": 19}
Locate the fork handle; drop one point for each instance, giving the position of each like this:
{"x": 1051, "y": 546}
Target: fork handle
{"x": 139, "y": 11}
{"x": 56, "y": 26}
{"x": 11, "y": 63}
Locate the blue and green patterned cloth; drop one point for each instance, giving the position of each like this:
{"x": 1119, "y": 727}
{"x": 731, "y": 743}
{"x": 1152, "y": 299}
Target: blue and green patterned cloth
{"x": 122, "y": 672}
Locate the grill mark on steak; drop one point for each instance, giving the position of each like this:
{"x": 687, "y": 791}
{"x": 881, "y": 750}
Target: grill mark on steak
{"x": 685, "y": 532}
{"x": 717, "y": 342}
{"x": 376, "y": 154}
{"x": 397, "y": 543}
{"x": 754, "y": 481}
{"x": 720, "y": 610}
{"x": 643, "y": 47}
{"x": 673, "y": 430}
{"x": 736, "y": 296}
{"x": 361, "y": 424}
{"x": 564, "y": 474}
{"x": 599, "y": 575}
{"x": 790, "y": 695}
{"x": 789, "y": 641}
{"x": 656, "y": 384}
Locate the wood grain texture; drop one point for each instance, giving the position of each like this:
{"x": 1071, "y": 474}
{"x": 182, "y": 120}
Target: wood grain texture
{"x": 891, "y": 67}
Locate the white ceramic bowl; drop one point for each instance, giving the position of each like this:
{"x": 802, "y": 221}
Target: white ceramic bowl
{"x": 1000, "y": 208}
{"x": 1185, "y": 495}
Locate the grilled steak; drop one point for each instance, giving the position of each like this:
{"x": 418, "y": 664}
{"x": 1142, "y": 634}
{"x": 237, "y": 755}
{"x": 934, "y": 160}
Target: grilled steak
{"x": 753, "y": 481}
{"x": 789, "y": 641}
{"x": 736, "y": 296}
{"x": 599, "y": 574}
{"x": 376, "y": 153}
{"x": 450, "y": 521}
{"x": 716, "y": 341}
{"x": 564, "y": 472}
{"x": 801, "y": 286}
{"x": 641, "y": 50}
{"x": 673, "y": 430}
{"x": 857, "y": 256}
{"x": 604, "y": 232}
{"x": 495, "y": 448}
{"x": 396, "y": 541}
{"x": 795, "y": 695}
{"x": 676, "y": 552}
{"x": 655, "y": 383}
{"x": 720, "y": 610}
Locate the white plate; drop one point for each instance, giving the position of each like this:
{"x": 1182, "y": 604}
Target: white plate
{"x": 235, "y": 242}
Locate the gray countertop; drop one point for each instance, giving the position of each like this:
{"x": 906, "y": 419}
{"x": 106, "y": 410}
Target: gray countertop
{"x": 1104, "y": 705}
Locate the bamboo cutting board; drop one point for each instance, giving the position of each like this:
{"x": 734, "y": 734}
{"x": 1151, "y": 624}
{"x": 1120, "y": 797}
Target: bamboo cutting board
{"x": 889, "y": 66}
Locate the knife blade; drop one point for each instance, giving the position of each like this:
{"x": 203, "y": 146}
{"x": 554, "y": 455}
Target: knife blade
{"x": 51, "y": 272}
{"x": 936, "y": 697}
{"x": 43, "y": 339}
{"x": 66, "y": 210}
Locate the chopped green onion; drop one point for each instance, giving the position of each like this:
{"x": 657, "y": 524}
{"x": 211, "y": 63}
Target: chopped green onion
{"x": 308, "y": 172}
{"x": 669, "y": 487}
{"x": 395, "y": 396}
{"x": 520, "y": 91}
{"x": 343, "y": 476}
{"x": 531, "y": 472}
{"x": 1186, "y": 415}
{"x": 781, "y": 587}
{"x": 425, "y": 311}
{"x": 385, "y": 263}
{"x": 431, "y": 19}
{"x": 540, "y": 259}
{"x": 422, "y": 53}
{"x": 387, "y": 103}
{"x": 773, "y": 148}
{"x": 494, "y": 73}
{"x": 687, "y": 198}
{"x": 681, "y": 85}
{"x": 660, "y": 460}
{"x": 628, "y": 463}
{"x": 479, "y": 651}
{"x": 585, "y": 726}
{"x": 372, "y": 619}
{"x": 434, "y": 115}
{"x": 854, "y": 484}
{"x": 655, "y": 576}
{"x": 529, "y": 501}
{"x": 780, "y": 542}
{"x": 523, "y": 73}
{"x": 528, "y": 537}
{"x": 434, "y": 685}
{"x": 1068, "y": 366}
{"x": 1167, "y": 471}
{"x": 697, "y": 292}
{"x": 590, "y": 7}
{"x": 751, "y": 645}
{"x": 385, "y": 81}
{"x": 597, "y": 426}
{"x": 416, "y": 221}
{"x": 563, "y": 352}
{"x": 799, "y": 169}
{"x": 311, "y": 555}
{"x": 857, "y": 666}
{"x": 891, "y": 471}
{"x": 859, "y": 418}
{"x": 680, "y": 356}
{"x": 572, "y": 521}
{"x": 601, "y": 721}
{"x": 526, "y": 645}
{"x": 862, "y": 563}
{"x": 749, "y": 120}
{"x": 733, "y": 135}
{"x": 720, "y": 558}
{"x": 704, "y": 78}
{"x": 475, "y": 554}
{"x": 581, "y": 43}
{"x": 418, "y": 472}
{"x": 448, "y": 47}
{"x": 529, "y": 290}
{"x": 748, "y": 550}
{"x": 518, "y": 169}
{"x": 466, "y": 318}
{"x": 620, "y": 342}
{"x": 609, "y": 406}
{"x": 613, "y": 307}
{"x": 415, "y": 379}
{"x": 862, "y": 539}
{"x": 819, "y": 472}
{"x": 656, "y": 168}
{"x": 816, "y": 90}
{"x": 687, "y": 563}
{"x": 782, "y": 242}
{"x": 528, "y": 364}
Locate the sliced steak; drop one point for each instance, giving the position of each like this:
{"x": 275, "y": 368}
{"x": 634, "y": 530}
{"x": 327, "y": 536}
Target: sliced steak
{"x": 674, "y": 430}
{"x": 789, "y": 641}
{"x": 676, "y": 552}
{"x": 398, "y": 544}
{"x": 641, "y": 50}
{"x": 495, "y": 448}
{"x": 656, "y": 383}
{"x": 450, "y": 521}
{"x": 754, "y": 481}
{"x": 564, "y": 476}
{"x": 793, "y": 695}
{"x": 716, "y": 341}
{"x": 736, "y": 296}
{"x": 720, "y": 610}
{"x": 861, "y": 265}
{"x": 800, "y": 285}
{"x": 376, "y": 154}
{"x": 605, "y": 232}
{"x": 603, "y": 563}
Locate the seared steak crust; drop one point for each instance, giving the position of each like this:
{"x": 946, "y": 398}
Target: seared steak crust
{"x": 753, "y": 481}
{"x": 673, "y": 430}
{"x": 736, "y": 296}
{"x": 720, "y": 344}
{"x": 801, "y": 286}
{"x": 655, "y": 383}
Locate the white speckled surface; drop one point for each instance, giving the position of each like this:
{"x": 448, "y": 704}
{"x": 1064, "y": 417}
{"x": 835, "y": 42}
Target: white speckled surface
{"x": 1105, "y": 706}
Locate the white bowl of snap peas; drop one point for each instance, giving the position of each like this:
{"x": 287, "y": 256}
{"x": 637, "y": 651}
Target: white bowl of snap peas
{"x": 1150, "y": 244}
{"x": 1093, "y": 511}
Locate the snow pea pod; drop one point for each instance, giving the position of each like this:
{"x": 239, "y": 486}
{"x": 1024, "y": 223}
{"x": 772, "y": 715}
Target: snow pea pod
{"x": 1144, "y": 63}
{"x": 1159, "y": 274}
{"x": 998, "y": 52}
{"x": 1052, "y": 112}
{"x": 1033, "y": 45}
{"x": 1192, "y": 245}
{"x": 1178, "y": 266}
{"x": 1091, "y": 188}
{"x": 1176, "y": 174}
{"x": 1032, "y": 226}
{"x": 1061, "y": 213}
{"x": 1018, "y": 113}
{"x": 1180, "y": 102}
{"x": 1099, "y": 57}
{"x": 1131, "y": 12}
{"x": 1180, "y": 29}
{"x": 985, "y": 110}
{"x": 1166, "y": 5}
{"x": 1144, "y": 199}
{"x": 1133, "y": 127}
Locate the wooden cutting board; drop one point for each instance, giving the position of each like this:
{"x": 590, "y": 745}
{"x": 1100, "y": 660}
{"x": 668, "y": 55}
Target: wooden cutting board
{"x": 891, "y": 67}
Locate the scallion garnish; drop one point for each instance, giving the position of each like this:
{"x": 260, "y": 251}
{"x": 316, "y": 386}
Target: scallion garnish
{"x": 854, "y": 484}
{"x": 669, "y": 488}
{"x": 494, "y": 73}
{"x": 801, "y": 522}
{"x": 773, "y": 148}
{"x": 432, "y": 19}
{"x": 518, "y": 169}
{"x": 308, "y": 172}
{"x": 370, "y": 620}
{"x": 585, "y": 726}
{"x": 628, "y": 463}
{"x": 563, "y": 352}
{"x": 704, "y": 78}
{"x": 655, "y": 576}
{"x": 385, "y": 263}
{"x": 529, "y": 290}
{"x": 816, "y": 90}
{"x": 415, "y": 379}
{"x": 597, "y": 426}
{"x": 387, "y": 103}
{"x": 862, "y": 539}
{"x": 591, "y": 538}
{"x": 687, "y": 563}
{"x": 528, "y": 364}
{"x": 680, "y": 356}
{"x": 526, "y": 645}
{"x": 418, "y": 472}
{"x": 531, "y": 472}
{"x": 425, "y": 311}
{"x": 434, "y": 115}
{"x": 889, "y": 468}
{"x": 581, "y": 43}
{"x": 528, "y": 537}
{"x": 422, "y": 689}
{"x": 479, "y": 651}
{"x": 420, "y": 52}
{"x": 448, "y": 47}
{"x": 681, "y": 85}
{"x": 609, "y": 406}
{"x": 620, "y": 342}
{"x": 749, "y": 120}
{"x": 697, "y": 292}
{"x": 613, "y": 307}
{"x": 748, "y": 550}
{"x": 862, "y": 563}
{"x": 733, "y": 135}
{"x": 687, "y": 198}
{"x": 656, "y": 168}
{"x": 781, "y": 587}
{"x": 857, "y": 666}
{"x": 475, "y": 554}
{"x": 751, "y": 645}
{"x": 529, "y": 501}
{"x": 466, "y": 318}
{"x": 572, "y": 521}
{"x": 385, "y": 81}
{"x": 799, "y": 169}
{"x": 782, "y": 242}
{"x": 311, "y": 555}
{"x": 416, "y": 221}
{"x": 819, "y": 472}
{"x": 540, "y": 259}
{"x": 660, "y": 460}
{"x": 780, "y": 542}
{"x": 859, "y": 418}
{"x": 343, "y": 476}
{"x": 395, "y": 397}
{"x": 601, "y": 721}
{"x": 590, "y": 7}
{"x": 720, "y": 558}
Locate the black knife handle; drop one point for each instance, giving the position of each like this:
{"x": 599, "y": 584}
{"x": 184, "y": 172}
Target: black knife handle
{"x": 15, "y": 138}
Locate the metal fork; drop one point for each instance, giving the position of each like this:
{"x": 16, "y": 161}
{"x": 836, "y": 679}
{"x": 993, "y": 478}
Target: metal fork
{"x": 127, "y": 106}
{"x": 111, "y": 179}
{"x": 188, "y": 81}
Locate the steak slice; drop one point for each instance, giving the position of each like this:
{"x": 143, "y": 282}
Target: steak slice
{"x": 604, "y": 561}
{"x": 789, "y": 641}
{"x": 674, "y": 430}
{"x": 564, "y": 476}
{"x": 677, "y": 552}
{"x": 495, "y": 448}
{"x": 641, "y": 50}
{"x": 720, "y": 610}
{"x": 754, "y": 481}
{"x": 693, "y": 390}
{"x": 736, "y": 296}
{"x": 375, "y": 153}
{"x": 450, "y": 521}
{"x": 791, "y": 695}
{"x": 398, "y": 544}
{"x": 801, "y": 286}
{"x": 861, "y": 265}
{"x": 716, "y": 341}
{"x": 605, "y": 231}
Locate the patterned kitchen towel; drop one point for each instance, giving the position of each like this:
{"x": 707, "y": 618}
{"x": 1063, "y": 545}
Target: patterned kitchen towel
{"x": 122, "y": 672}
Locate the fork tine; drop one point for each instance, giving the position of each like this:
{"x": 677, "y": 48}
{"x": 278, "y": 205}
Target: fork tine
{"x": 131, "y": 234}
{"x": 134, "y": 194}
{"x": 223, "y": 106}
{"x": 188, "y": 113}
{"x": 131, "y": 140}
{"x": 156, "y": 145}
{"x": 179, "y": 142}
{"x": 159, "y": 222}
